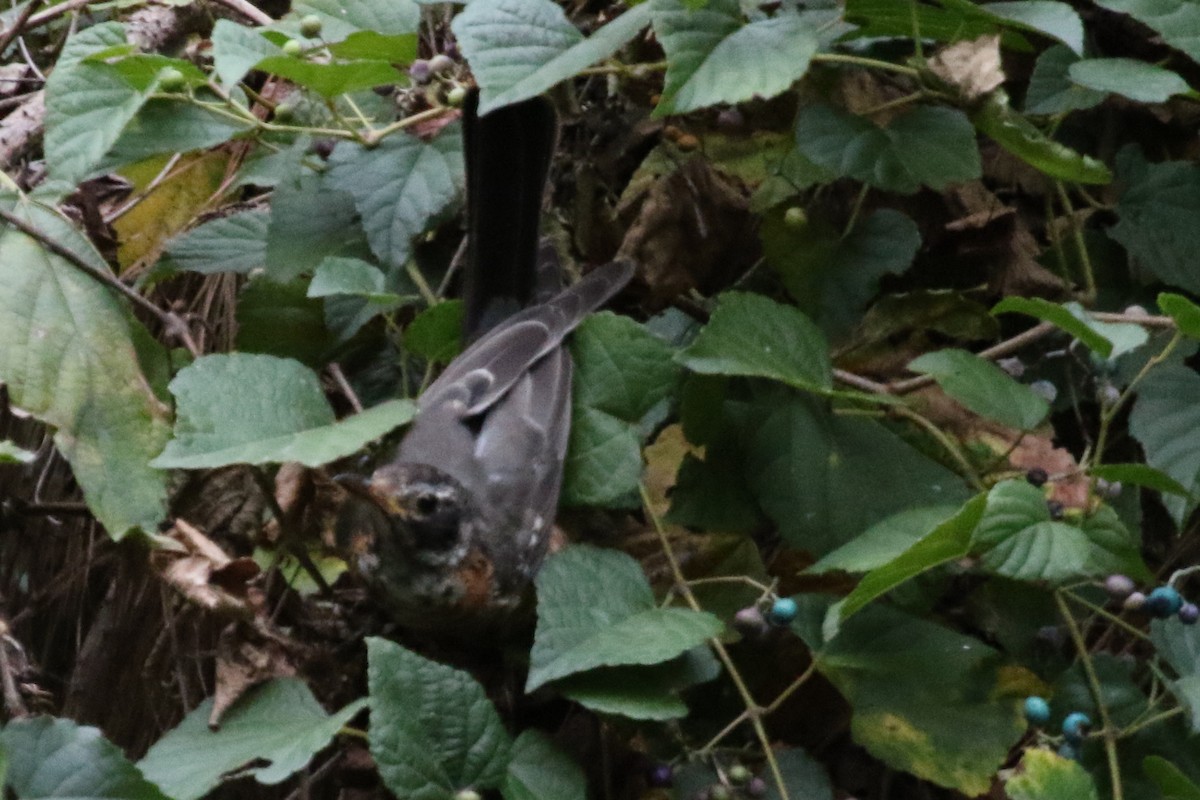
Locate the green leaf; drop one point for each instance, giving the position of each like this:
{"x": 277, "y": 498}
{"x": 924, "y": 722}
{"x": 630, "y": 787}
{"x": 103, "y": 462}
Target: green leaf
{"x": 56, "y": 758}
{"x": 926, "y": 146}
{"x": 330, "y": 79}
{"x": 1056, "y": 20}
{"x": 1170, "y": 779}
{"x": 803, "y": 776}
{"x": 1140, "y": 475}
{"x": 1179, "y": 646}
{"x": 169, "y": 126}
{"x": 349, "y": 276}
{"x": 1027, "y": 142}
{"x": 400, "y": 187}
{"x": 884, "y": 541}
{"x": 239, "y": 408}
{"x": 642, "y": 692}
{"x": 539, "y": 770}
{"x": 10, "y": 453}
{"x": 824, "y": 479}
{"x": 833, "y": 274}
{"x": 956, "y": 21}
{"x": 310, "y": 220}
{"x": 1107, "y": 339}
{"x": 520, "y": 48}
{"x": 983, "y": 388}
{"x": 1156, "y": 217}
{"x": 433, "y": 730}
{"x": 279, "y": 722}
{"x": 622, "y": 371}
{"x": 909, "y": 708}
{"x": 235, "y": 243}
{"x": 1177, "y": 21}
{"x": 342, "y": 18}
{"x": 1018, "y": 539}
{"x": 436, "y": 333}
{"x": 88, "y": 104}
{"x": 67, "y": 356}
{"x": 1185, "y": 313}
{"x": 948, "y": 541}
{"x": 1137, "y": 80}
{"x": 1166, "y": 422}
{"x": 373, "y": 46}
{"x": 1051, "y": 90}
{"x": 278, "y": 319}
{"x": 1044, "y": 775}
{"x": 752, "y": 335}
{"x": 712, "y": 57}
{"x": 595, "y": 609}
{"x": 236, "y": 49}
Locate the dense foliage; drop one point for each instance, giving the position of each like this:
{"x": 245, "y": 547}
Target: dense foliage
{"x": 882, "y": 483}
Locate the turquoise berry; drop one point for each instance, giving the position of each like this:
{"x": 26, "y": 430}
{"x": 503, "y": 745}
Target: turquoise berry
{"x": 782, "y": 612}
{"x": 1037, "y": 710}
{"x": 1164, "y": 602}
{"x": 1075, "y": 726}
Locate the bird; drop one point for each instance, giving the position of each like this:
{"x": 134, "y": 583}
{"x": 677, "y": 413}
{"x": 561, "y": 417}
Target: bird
{"x": 450, "y": 533}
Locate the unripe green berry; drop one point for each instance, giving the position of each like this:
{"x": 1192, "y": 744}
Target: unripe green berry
{"x": 795, "y": 217}
{"x": 468, "y": 794}
{"x": 738, "y": 774}
{"x": 456, "y": 96}
{"x": 310, "y": 26}
{"x": 292, "y": 48}
{"x": 284, "y": 112}
{"x": 720, "y": 792}
{"x": 171, "y": 80}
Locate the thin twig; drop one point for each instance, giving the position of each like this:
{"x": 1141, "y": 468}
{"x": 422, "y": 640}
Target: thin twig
{"x": 174, "y": 325}
{"x": 18, "y": 25}
{"x": 248, "y": 10}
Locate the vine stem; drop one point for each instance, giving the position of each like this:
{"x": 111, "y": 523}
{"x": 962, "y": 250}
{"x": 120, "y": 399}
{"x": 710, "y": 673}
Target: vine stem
{"x": 945, "y": 441}
{"x": 1113, "y": 618}
{"x": 1110, "y": 733}
{"x": 861, "y": 61}
{"x": 1110, "y": 414}
{"x": 753, "y": 710}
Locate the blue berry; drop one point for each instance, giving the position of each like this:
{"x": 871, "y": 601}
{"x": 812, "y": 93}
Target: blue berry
{"x": 661, "y": 776}
{"x": 1068, "y": 750}
{"x": 1189, "y": 613}
{"x": 1075, "y": 726}
{"x": 1037, "y": 710}
{"x": 782, "y": 612}
{"x": 1163, "y": 602}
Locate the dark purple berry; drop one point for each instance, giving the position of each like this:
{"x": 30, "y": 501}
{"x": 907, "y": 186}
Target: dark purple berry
{"x": 1055, "y": 508}
{"x": 420, "y": 72}
{"x": 757, "y": 787}
{"x": 1119, "y": 586}
{"x": 1037, "y": 476}
{"x": 661, "y": 776}
{"x": 1189, "y": 613}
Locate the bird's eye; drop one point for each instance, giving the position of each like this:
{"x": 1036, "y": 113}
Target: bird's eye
{"x": 426, "y": 504}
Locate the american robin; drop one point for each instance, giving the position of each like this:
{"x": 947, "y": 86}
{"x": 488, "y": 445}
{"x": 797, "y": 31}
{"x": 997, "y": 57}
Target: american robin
{"x": 458, "y": 523}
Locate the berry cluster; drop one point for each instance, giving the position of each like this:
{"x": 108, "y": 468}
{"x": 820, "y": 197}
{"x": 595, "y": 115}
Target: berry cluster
{"x": 1162, "y": 602}
{"x": 751, "y": 621}
{"x": 739, "y": 782}
{"x": 1074, "y": 726}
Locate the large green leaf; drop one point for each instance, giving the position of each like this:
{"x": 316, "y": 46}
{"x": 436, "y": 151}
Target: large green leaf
{"x": 400, "y": 187}
{"x": 279, "y": 723}
{"x": 1018, "y": 538}
{"x": 948, "y": 541}
{"x": 596, "y": 609}
{"x": 169, "y": 126}
{"x": 910, "y": 706}
{"x": 331, "y": 78}
{"x": 1137, "y": 80}
{"x": 1156, "y": 217}
{"x": 87, "y": 103}
{"x": 1185, "y": 313}
{"x": 824, "y": 479}
{"x": 622, "y": 372}
{"x": 1044, "y": 775}
{"x": 67, "y": 357}
{"x": 342, "y": 18}
{"x": 832, "y": 274}
{"x": 1167, "y": 423}
{"x": 240, "y": 408}
{"x": 983, "y": 387}
{"x": 712, "y": 57}
{"x": 885, "y": 540}
{"x": 1170, "y": 779}
{"x": 1109, "y": 339}
{"x": 646, "y": 692}
{"x": 1177, "y": 21}
{"x": 56, "y": 758}
{"x": 1054, "y": 19}
{"x": 1179, "y": 646}
{"x": 279, "y": 319}
{"x": 236, "y": 49}
{"x": 1051, "y": 90}
{"x": 803, "y": 776}
{"x": 1139, "y": 475}
{"x": 310, "y": 220}
{"x": 520, "y": 48}
{"x": 749, "y": 334}
{"x": 433, "y": 730}
{"x": 926, "y": 146}
{"x": 1027, "y": 142}
{"x": 539, "y": 770}
{"x": 235, "y": 243}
